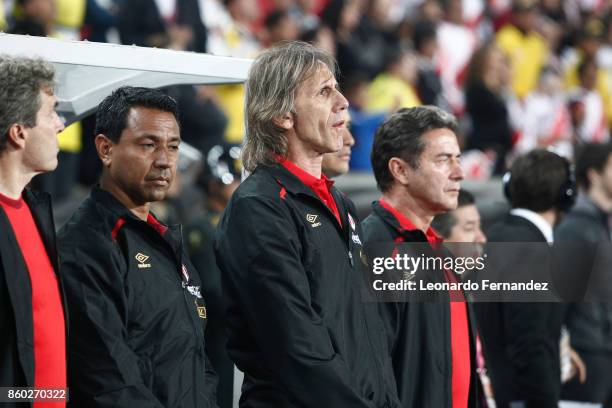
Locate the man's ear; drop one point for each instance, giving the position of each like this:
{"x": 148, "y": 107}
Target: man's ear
{"x": 104, "y": 147}
{"x": 400, "y": 170}
{"x": 17, "y": 135}
{"x": 285, "y": 122}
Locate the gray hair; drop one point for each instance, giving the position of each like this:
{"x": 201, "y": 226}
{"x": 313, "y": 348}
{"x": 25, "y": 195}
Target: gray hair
{"x": 21, "y": 80}
{"x": 271, "y": 87}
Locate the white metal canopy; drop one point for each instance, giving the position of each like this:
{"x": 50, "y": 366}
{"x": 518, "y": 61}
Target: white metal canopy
{"x": 87, "y": 72}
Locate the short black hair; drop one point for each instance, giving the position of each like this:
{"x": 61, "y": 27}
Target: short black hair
{"x": 400, "y": 135}
{"x": 537, "y": 179}
{"x": 444, "y": 223}
{"x": 274, "y": 18}
{"x": 591, "y": 156}
{"x": 111, "y": 118}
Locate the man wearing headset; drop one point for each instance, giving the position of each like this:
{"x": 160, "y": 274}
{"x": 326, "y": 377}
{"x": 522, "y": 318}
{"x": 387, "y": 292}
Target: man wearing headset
{"x": 521, "y": 340}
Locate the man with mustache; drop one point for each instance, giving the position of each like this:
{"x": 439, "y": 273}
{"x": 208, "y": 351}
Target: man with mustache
{"x": 136, "y": 311}
{"x": 416, "y": 163}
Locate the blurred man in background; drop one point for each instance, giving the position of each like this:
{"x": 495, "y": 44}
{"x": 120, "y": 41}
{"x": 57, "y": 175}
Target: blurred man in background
{"x": 219, "y": 179}
{"x": 589, "y": 322}
{"x": 461, "y": 224}
{"x": 337, "y": 163}
{"x": 521, "y": 340}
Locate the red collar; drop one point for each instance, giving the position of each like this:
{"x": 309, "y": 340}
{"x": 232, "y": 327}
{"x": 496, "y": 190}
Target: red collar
{"x": 406, "y": 224}
{"x": 320, "y": 186}
{"x": 11, "y": 202}
{"x": 158, "y": 226}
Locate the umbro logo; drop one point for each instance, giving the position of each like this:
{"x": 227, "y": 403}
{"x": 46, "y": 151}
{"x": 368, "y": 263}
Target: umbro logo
{"x": 312, "y": 219}
{"x": 142, "y": 258}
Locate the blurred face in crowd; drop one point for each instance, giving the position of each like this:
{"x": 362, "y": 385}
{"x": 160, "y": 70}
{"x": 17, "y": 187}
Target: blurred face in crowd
{"x": 526, "y": 20}
{"x": 351, "y": 13}
{"x": 467, "y": 226}
{"x": 325, "y": 40}
{"x": 317, "y": 122}
{"x": 434, "y": 185}
{"x": 285, "y": 30}
{"x": 336, "y": 164}
{"x": 243, "y": 10}
{"x": 41, "y": 146}
{"x": 41, "y": 11}
{"x": 141, "y": 167}
{"x": 407, "y": 67}
{"x": 497, "y": 72}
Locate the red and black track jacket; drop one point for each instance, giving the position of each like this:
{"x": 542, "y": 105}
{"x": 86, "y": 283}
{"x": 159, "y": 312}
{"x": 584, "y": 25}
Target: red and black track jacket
{"x": 297, "y": 325}
{"x": 137, "y": 315}
{"x": 419, "y": 333}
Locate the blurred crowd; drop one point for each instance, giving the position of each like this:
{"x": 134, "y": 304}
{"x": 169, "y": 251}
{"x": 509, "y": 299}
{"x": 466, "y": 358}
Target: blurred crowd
{"x": 518, "y": 74}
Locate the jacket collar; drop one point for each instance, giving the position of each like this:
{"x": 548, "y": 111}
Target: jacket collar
{"x": 108, "y": 204}
{"x": 288, "y": 180}
{"x": 407, "y": 235}
{"x": 295, "y": 186}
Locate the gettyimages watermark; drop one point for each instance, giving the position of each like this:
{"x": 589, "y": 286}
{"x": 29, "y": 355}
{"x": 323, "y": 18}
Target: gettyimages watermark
{"x": 496, "y": 272}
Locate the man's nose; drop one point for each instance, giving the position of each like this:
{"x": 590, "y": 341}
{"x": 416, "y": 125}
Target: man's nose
{"x": 162, "y": 158}
{"x": 457, "y": 173}
{"x": 59, "y": 123}
{"x": 481, "y": 238}
{"x": 341, "y": 102}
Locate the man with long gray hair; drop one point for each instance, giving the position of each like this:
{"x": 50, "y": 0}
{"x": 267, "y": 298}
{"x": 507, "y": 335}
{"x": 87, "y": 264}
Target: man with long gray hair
{"x": 33, "y": 342}
{"x": 288, "y": 247}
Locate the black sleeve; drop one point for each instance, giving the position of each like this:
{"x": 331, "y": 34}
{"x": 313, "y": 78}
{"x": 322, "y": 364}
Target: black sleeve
{"x": 103, "y": 371}
{"x": 262, "y": 270}
{"x": 533, "y": 352}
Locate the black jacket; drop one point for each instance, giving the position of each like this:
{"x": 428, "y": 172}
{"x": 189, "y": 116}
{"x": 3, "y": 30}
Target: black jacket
{"x": 16, "y": 324}
{"x": 297, "y": 325}
{"x": 136, "y": 325}
{"x": 589, "y": 323}
{"x": 419, "y": 333}
{"x": 521, "y": 340}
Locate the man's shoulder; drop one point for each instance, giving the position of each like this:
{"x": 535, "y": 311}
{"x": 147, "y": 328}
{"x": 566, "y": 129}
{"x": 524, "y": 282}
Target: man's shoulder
{"x": 580, "y": 225}
{"x": 259, "y": 183}
{"x": 87, "y": 226}
{"x": 513, "y": 228}
{"x": 375, "y": 228}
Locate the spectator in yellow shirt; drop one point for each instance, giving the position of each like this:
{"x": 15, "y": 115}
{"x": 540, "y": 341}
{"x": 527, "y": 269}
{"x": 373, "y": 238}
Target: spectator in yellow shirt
{"x": 525, "y": 48}
{"x": 589, "y": 44}
{"x": 395, "y": 87}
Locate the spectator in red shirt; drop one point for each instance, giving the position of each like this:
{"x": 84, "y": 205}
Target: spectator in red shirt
{"x": 33, "y": 341}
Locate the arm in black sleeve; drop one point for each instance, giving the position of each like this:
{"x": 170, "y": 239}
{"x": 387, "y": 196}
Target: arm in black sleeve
{"x": 534, "y": 353}
{"x": 264, "y": 272}
{"x": 103, "y": 371}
